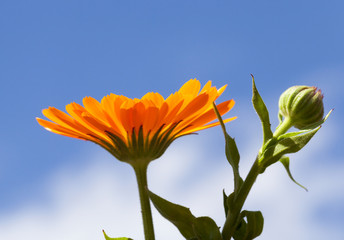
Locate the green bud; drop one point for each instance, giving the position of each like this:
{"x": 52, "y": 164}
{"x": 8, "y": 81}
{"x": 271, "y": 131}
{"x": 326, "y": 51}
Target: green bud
{"x": 302, "y": 105}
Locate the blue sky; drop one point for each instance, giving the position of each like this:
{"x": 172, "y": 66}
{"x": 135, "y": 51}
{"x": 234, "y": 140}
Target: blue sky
{"x": 56, "y": 52}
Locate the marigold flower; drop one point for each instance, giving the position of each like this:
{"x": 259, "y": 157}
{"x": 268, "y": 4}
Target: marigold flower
{"x": 132, "y": 129}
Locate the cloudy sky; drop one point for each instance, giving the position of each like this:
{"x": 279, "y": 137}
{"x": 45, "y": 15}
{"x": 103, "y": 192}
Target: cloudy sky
{"x": 56, "y": 52}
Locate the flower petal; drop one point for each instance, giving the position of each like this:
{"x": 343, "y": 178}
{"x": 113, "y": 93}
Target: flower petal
{"x": 191, "y": 88}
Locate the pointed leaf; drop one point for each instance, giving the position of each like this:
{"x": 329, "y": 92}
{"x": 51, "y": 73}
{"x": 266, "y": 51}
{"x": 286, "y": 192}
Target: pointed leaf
{"x": 285, "y": 161}
{"x": 121, "y": 238}
{"x": 286, "y": 145}
{"x": 233, "y": 157}
{"x": 262, "y": 112}
{"x": 292, "y": 134}
{"x": 206, "y": 229}
{"x": 232, "y": 152}
{"x": 180, "y": 216}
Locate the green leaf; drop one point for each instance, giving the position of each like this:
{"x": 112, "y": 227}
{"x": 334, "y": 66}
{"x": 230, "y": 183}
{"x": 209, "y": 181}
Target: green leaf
{"x": 228, "y": 202}
{"x": 206, "y": 229}
{"x": 285, "y": 161}
{"x": 233, "y": 157}
{"x": 292, "y": 134}
{"x": 121, "y": 238}
{"x": 240, "y": 232}
{"x": 232, "y": 152}
{"x": 289, "y": 143}
{"x": 262, "y": 112}
{"x": 255, "y": 224}
{"x": 180, "y": 216}
{"x": 285, "y": 145}
{"x": 251, "y": 228}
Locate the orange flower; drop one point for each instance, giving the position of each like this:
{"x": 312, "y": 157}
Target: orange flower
{"x": 132, "y": 129}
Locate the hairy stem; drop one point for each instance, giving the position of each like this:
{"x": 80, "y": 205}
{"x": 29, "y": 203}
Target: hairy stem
{"x": 283, "y": 127}
{"x": 141, "y": 177}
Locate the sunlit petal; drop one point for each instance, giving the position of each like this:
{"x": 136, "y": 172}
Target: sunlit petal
{"x": 139, "y": 128}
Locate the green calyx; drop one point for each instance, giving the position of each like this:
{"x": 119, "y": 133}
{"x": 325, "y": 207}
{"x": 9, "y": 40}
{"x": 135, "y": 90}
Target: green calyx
{"x": 140, "y": 147}
{"x": 302, "y": 105}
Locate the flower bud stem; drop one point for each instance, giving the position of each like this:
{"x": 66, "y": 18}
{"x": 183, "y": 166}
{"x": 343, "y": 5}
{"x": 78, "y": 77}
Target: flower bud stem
{"x": 233, "y": 217}
{"x": 233, "y": 220}
{"x": 283, "y": 127}
{"x": 141, "y": 177}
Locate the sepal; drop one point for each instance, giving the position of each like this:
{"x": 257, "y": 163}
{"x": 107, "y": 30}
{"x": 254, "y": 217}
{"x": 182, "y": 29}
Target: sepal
{"x": 317, "y": 124}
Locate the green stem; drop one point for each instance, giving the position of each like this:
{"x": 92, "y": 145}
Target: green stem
{"x": 283, "y": 127}
{"x": 232, "y": 220}
{"x": 236, "y": 179}
{"x": 141, "y": 177}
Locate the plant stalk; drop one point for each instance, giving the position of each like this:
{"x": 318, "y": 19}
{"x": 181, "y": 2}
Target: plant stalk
{"x": 232, "y": 220}
{"x": 283, "y": 127}
{"x": 141, "y": 177}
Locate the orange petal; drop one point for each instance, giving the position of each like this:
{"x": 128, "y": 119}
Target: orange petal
{"x": 221, "y": 90}
{"x": 127, "y": 119}
{"x": 150, "y": 121}
{"x": 155, "y": 98}
{"x": 55, "y": 128}
{"x": 206, "y": 87}
{"x": 109, "y": 112}
{"x": 62, "y": 119}
{"x": 191, "y": 130}
{"x": 196, "y": 104}
{"x": 170, "y": 116}
{"x": 210, "y": 114}
{"x": 94, "y": 108}
{"x": 79, "y": 113}
{"x": 191, "y": 87}
{"x": 138, "y": 115}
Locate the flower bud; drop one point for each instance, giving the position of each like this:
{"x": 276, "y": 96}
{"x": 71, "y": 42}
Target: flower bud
{"x": 303, "y": 105}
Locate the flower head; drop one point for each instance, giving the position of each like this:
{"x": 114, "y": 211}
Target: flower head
{"x": 139, "y": 129}
{"x": 303, "y": 105}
